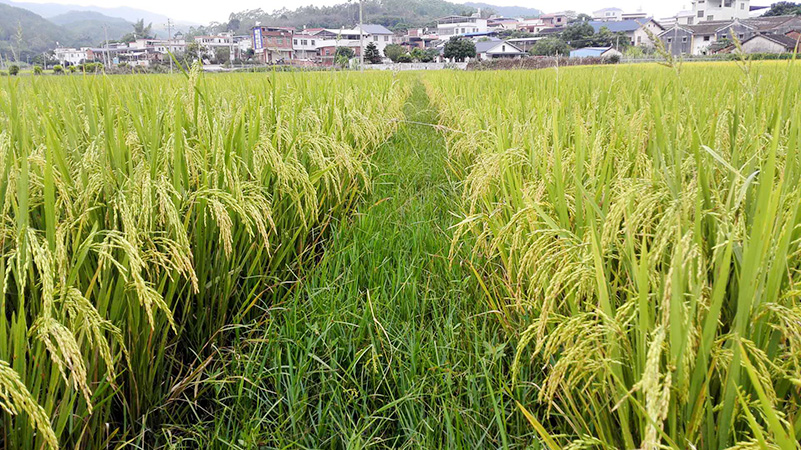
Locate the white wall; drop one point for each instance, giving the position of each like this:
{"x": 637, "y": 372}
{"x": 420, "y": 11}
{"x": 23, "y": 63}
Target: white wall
{"x": 762, "y": 45}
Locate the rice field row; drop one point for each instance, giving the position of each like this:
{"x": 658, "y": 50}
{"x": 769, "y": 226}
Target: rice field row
{"x": 637, "y": 231}
{"x": 141, "y": 216}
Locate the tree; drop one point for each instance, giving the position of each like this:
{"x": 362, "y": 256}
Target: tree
{"x": 371, "y": 54}
{"x": 13, "y": 70}
{"x": 578, "y": 34}
{"x": 37, "y": 70}
{"x": 394, "y": 51}
{"x": 192, "y": 53}
{"x": 140, "y": 31}
{"x": 405, "y": 58}
{"x": 222, "y": 55}
{"x": 458, "y": 49}
{"x": 551, "y": 46}
{"x": 58, "y": 69}
{"x": 784, "y": 9}
{"x": 343, "y": 55}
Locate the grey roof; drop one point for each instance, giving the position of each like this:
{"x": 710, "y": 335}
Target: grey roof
{"x": 625, "y": 26}
{"x": 769, "y": 23}
{"x": 375, "y": 29}
{"x": 714, "y": 26}
{"x": 485, "y": 46}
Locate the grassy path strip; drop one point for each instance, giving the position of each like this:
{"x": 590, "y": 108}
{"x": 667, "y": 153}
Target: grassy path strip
{"x": 386, "y": 344}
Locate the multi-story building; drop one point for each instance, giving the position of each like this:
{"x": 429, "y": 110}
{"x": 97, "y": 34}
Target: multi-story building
{"x": 608, "y": 15}
{"x": 450, "y": 26}
{"x": 305, "y": 46}
{"x": 710, "y": 10}
{"x": 70, "y": 56}
{"x": 558, "y": 20}
{"x": 273, "y": 44}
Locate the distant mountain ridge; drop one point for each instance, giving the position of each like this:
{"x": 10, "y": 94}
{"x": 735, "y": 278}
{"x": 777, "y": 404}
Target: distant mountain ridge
{"x": 506, "y": 11}
{"x": 91, "y": 27}
{"x": 48, "y": 10}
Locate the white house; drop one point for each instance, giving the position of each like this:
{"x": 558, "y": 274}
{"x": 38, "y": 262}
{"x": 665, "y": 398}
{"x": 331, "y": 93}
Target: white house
{"x": 608, "y": 14}
{"x": 709, "y": 10}
{"x": 377, "y": 34}
{"x": 686, "y": 17}
{"x": 210, "y": 43}
{"x": 70, "y": 56}
{"x": 305, "y": 46}
{"x": 460, "y": 26}
{"x": 498, "y": 49}
{"x": 308, "y": 46}
{"x": 641, "y": 36}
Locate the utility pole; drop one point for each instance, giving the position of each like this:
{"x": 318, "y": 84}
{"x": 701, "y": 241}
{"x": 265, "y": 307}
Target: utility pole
{"x": 107, "y": 57}
{"x": 169, "y": 41}
{"x": 361, "y": 37}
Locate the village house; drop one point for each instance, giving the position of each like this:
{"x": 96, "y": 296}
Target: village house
{"x": 710, "y": 37}
{"x": 608, "y": 14}
{"x": 534, "y": 26}
{"x": 305, "y": 46}
{"x": 627, "y": 27}
{"x": 642, "y": 35}
{"x": 273, "y": 44}
{"x": 595, "y": 52}
{"x": 70, "y": 56}
{"x": 459, "y": 26}
{"x": 418, "y": 38}
{"x": 496, "y": 49}
{"x": 558, "y": 20}
{"x": 712, "y": 10}
{"x": 769, "y": 43}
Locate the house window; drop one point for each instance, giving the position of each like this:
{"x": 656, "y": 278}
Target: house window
{"x": 710, "y": 18}
{"x": 707, "y": 38}
{"x": 670, "y": 40}
{"x": 684, "y": 40}
{"x": 304, "y": 41}
{"x": 503, "y": 48}
{"x": 742, "y": 6}
{"x": 386, "y": 38}
{"x": 701, "y": 13}
{"x": 639, "y": 40}
{"x": 295, "y": 41}
{"x": 727, "y": 3}
{"x": 312, "y": 41}
{"x": 741, "y": 36}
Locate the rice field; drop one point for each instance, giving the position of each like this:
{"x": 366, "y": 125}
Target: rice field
{"x": 585, "y": 257}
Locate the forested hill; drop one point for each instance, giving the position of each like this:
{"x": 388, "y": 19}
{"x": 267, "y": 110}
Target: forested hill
{"x": 394, "y": 14}
{"x": 23, "y": 33}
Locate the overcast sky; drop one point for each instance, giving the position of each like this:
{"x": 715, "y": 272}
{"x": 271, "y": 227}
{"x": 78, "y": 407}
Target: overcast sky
{"x": 206, "y": 11}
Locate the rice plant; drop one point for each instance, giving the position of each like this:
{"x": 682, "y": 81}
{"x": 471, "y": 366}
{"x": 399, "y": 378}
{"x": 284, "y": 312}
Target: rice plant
{"x": 640, "y": 229}
{"x": 142, "y": 215}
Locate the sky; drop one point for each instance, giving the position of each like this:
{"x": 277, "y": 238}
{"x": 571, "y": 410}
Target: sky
{"x": 207, "y": 11}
